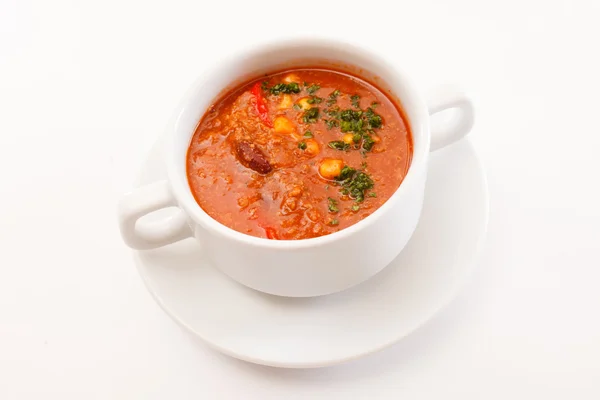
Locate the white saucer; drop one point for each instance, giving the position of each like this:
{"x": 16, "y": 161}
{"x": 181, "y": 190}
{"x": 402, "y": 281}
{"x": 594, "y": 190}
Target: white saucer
{"x": 315, "y": 332}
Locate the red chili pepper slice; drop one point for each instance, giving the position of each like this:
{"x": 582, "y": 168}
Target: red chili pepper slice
{"x": 271, "y": 233}
{"x": 261, "y": 105}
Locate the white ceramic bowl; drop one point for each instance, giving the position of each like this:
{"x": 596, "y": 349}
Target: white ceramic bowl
{"x": 297, "y": 268}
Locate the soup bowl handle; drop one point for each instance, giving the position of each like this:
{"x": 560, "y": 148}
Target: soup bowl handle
{"x": 143, "y": 201}
{"x": 446, "y": 98}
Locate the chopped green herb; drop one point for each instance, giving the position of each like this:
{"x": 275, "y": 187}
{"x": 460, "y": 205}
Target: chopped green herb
{"x": 351, "y": 121}
{"x": 338, "y": 145}
{"x": 286, "y": 88}
{"x": 308, "y": 134}
{"x": 297, "y": 107}
{"x": 311, "y": 115}
{"x": 333, "y": 112}
{"x": 352, "y": 126}
{"x": 350, "y": 115}
{"x": 332, "y": 99}
{"x": 373, "y": 119}
{"x": 334, "y": 222}
{"x": 293, "y": 87}
{"x": 360, "y": 123}
{"x": 314, "y": 100}
{"x": 374, "y": 104}
{"x": 355, "y": 99}
{"x": 305, "y": 84}
{"x": 355, "y": 207}
{"x": 354, "y": 183}
{"x": 346, "y": 126}
{"x": 302, "y": 145}
{"x": 359, "y": 185}
{"x": 313, "y": 88}
{"x": 331, "y": 123}
{"x": 326, "y": 187}
{"x": 345, "y": 173}
{"x": 332, "y": 205}
{"x": 372, "y": 194}
{"x": 265, "y": 85}
{"x": 363, "y": 165}
{"x": 368, "y": 142}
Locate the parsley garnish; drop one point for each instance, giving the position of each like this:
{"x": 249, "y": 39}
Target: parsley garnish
{"x": 302, "y": 145}
{"x": 363, "y": 165}
{"x": 314, "y": 100}
{"x": 333, "y": 112}
{"x": 286, "y": 88}
{"x": 331, "y": 123}
{"x": 308, "y": 134}
{"x": 351, "y": 121}
{"x": 374, "y": 120}
{"x": 354, "y": 183}
{"x": 372, "y": 194}
{"x": 355, "y": 207}
{"x": 360, "y": 123}
{"x": 355, "y": 99}
{"x": 297, "y": 107}
{"x": 338, "y": 145}
{"x": 313, "y": 88}
{"x": 334, "y": 222}
{"x": 311, "y": 115}
{"x": 265, "y": 85}
{"x": 350, "y": 115}
{"x": 346, "y": 173}
{"x": 332, "y": 205}
{"x": 333, "y": 97}
{"x": 368, "y": 142}
{"x": 352, "y": 126}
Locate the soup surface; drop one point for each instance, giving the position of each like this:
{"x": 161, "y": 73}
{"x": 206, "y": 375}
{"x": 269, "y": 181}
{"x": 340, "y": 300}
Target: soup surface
{"x": 298, "y": 154}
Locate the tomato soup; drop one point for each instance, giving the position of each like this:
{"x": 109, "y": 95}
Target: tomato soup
{"x": 298, "y": 154}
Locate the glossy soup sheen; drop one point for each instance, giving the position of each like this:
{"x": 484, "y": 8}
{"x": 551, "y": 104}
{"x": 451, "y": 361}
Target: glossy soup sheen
{"x": 298, "y": 154}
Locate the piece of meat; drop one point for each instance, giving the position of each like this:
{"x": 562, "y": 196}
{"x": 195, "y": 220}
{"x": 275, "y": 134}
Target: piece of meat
{"x": 252, "y": 157}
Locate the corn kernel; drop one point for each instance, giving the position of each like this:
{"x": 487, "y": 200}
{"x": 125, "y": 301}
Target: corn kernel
{"x": 303, "y": 102}
{"x": 348, "y": 138}
{"x": 331, "y": 168}
{"x": 312, "y": 147}
{"x": 283, "y": 125}
{"x": 286, "y": 102}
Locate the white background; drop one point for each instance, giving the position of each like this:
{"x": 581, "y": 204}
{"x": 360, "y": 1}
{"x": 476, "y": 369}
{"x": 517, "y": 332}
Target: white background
{"x": 85, "y": 89}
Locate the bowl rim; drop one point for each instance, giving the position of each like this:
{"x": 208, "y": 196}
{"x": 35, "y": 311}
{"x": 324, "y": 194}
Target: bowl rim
{"x": 418, "y": 120}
